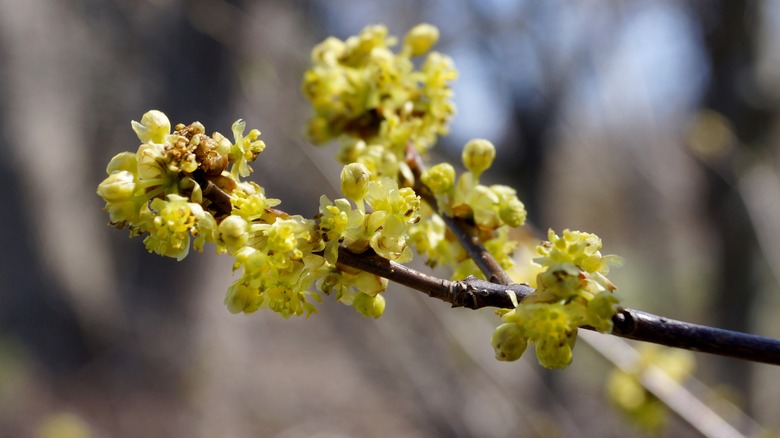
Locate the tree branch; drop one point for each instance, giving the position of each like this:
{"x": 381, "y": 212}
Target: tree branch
{"x": 627, "y": 323}
{"x": 643, "y": 326}
{"x": 501, "y": 292}
{"x": 473, "y": 293}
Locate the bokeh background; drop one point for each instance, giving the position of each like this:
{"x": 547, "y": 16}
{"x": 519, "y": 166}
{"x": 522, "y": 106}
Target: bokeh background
{"x": 651, "y": 123}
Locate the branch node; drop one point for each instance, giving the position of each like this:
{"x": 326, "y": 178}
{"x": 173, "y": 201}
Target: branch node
{"x": 623, "y": 323}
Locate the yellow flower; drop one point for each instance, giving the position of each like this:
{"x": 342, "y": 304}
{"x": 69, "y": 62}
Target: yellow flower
{"x": 154, "y": 127}
{"x": 439, "y": 178}
{"x": 360, "y": 89}
{"x": 169, "y": 229}
{"x": 420, "y": 39}
{"x": 244, "y": 149}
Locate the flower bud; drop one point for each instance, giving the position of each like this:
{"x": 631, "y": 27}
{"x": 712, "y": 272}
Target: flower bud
{"x": 154, "y": 127}
{"x": 600, "y": 311}
{"x": 151, "y": 161}
{"x": 123, "y": 161}
{"x": 439, "y": 178}
{"x": 368, "y": 283}
{"x": 510, "y": 209}
{"x": 383, "y": 58}
{"x": 483, "y": 204}
{"x": 328, "y": 52}
{"x": 553, "y": 356}
{"x": 255, "y": 146}
{"x": 118, "y": 187}
{"x": 421, "y": 38}
{"x": 508, "y": 342}
{"x": 350, "y": 150}
{"x": 368, "y": 306}
{"x": 354, "y": 181}
{"x": 242, "y": 298}
{"x": 478, "y": 155}
{"x": 233, "y": 231}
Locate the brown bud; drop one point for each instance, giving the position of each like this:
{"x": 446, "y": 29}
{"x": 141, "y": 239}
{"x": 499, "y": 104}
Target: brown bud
{"x": 211, "y": 161}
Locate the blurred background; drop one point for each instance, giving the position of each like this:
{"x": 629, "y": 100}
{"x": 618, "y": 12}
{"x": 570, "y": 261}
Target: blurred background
{"x": 651, "y": 123}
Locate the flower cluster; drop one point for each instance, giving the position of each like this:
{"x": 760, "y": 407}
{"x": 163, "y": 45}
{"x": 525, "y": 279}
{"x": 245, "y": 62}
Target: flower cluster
{"x": 572, "y": 291}
{"x": 155, "y": 190}
{"x": 384, "y": 228}
{"x": 184, "y": 188}
{"x": 378, "y": 105}
{"x": 380, "y": 221}
{"x": 493, "y": 210}
{"x": 375, "y": 100}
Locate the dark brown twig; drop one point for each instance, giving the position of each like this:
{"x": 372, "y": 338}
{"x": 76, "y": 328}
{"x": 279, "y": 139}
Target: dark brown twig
{"x": 473, "y": 293}
{"x": 646, "y": 327}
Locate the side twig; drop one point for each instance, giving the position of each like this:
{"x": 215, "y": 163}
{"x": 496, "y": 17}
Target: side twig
{"x": 462, "y": 230}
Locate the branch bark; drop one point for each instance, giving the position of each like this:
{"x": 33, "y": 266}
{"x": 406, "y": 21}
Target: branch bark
{"x": 643, "y": 326}
{"x": 471, "y": 293}
{"x": 628, "y": 323}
